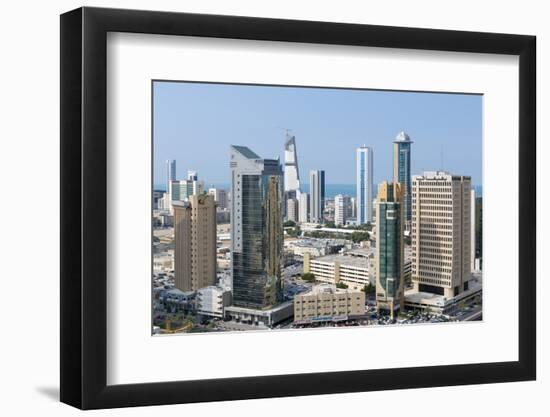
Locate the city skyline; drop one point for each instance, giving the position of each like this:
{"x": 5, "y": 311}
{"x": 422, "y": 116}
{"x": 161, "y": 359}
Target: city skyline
{"x": 444, "y": 127}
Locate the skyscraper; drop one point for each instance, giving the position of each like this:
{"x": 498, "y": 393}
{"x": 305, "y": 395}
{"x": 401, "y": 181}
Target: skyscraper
{"x": 170, "y": 174}
{"x": 342, "y": 209}
{"x": 364, "y": 184}
{"x": 389, "y": 247}
{"x": 220, "y": 197}
{"x": 292, "y": 209}
{"x": 441, "y": 233}
{"x": 256, "y": 229}
{"x": 316, "y": 196}
{"x": 195, "y": 242}
{"x": 292, "y": 174}
{"x": 303, "y": 208}
{"x": 402, "y": 169}
{"x": 472, "y": 229}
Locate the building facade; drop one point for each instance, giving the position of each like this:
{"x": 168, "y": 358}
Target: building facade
{"x": 316, "y": 196}
{"x": 170, "y": 173}
{"x": 303, "y": 208}
{"x": 402, "y": 170}
{"x": 342, "y": 209}
{"x": 256, "y": 229}
{"x": 389, "y": 258}
{"x": 441, "y": 233}
{"x": 195, "y": 242}
{"x": 364, "y": 172}
{"x": 326, "y": 300}
{"x": 212, "y": 301}
{"x": 220, "y": 197}
{"x": 292, "y": 174}
{"x": 292, "y": 209}
{"x": 353, "y": 271}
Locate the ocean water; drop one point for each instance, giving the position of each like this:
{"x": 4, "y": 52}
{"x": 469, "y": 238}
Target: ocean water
{"x": 331, "y": 190}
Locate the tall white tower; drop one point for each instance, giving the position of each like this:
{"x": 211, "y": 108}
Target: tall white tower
{"x": 364, "y": 156}
{"x": 170, "y": 174}
{"x": 292, "y": 174}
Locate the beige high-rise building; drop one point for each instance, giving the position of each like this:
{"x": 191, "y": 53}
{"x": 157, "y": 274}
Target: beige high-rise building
{"x": 292, "y": 209}
{"x": 195, "y": 242}
{"x": 441, "y": 233}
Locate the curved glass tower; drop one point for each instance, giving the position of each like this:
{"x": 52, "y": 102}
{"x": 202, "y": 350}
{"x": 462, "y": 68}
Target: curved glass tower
{"x": 402, "y": 169}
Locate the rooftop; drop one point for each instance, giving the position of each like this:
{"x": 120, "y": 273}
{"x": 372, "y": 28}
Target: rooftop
{"x": 356, "y": 261}
{"x": 246, "y": 151}
{"x": 402, "y": 137}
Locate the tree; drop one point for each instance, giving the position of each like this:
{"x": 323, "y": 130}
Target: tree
{"x": 330, "y": 225}
{"x": 357, "y": 237}
{"x": 289, "y": 223}
{"x": 342, "y": 285}
{"x": 308, "y": 276}
{"x": 369, "y": 289}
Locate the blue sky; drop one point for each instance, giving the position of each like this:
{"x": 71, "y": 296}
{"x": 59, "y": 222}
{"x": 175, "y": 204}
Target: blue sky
{"x": 194, "y": 123}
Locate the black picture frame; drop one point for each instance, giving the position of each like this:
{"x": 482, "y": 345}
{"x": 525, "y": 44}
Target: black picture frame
{"x": 84, "y": 207}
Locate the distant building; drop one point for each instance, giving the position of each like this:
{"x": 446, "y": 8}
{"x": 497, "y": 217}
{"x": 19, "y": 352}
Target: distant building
{"x": 212, "y": 301}
{"x": 303, "y": 208}
{"x": 389, "y": 247}
{"x": 364, "y": 181}
{"x": 353, "y": 202}
{"x": 181, "y": 190}
{"x": 195, "y": 242}
{"x": 220, "y": 197}
{"x": 170, "y": 174}
{"x": 352, "y": 269}
{"x": 473, "y": 230}
{"x": 441, "y": 231}
{"x": 402, "y": 170}
{"x": 326, "y": 300}
{"x": 292, "y": 210}
{"x": 292, "y": 174}
{"x": 342, "y": 209}
{"x": 316, "y": 196}
{"x": 256, "y": 229}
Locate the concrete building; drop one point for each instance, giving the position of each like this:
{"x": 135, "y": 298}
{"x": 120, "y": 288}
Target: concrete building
{"x": 256, "y": 229}
{"x": 352, "y": 269}
{"x": 402, "y": 170}
{"x": 303, "y": 208}
{"x": 181, "y": 190}
{"x": 292, "y": 173}
{"x": 267, "y": 317}
{"x": 441, "y": 228}
{"x": 292, "y": 209}
{"x": 316, "y": 196}
{"x": 170, "y": 173}
{"x": 195, "y": 242}
{"x": 389, "y": 258}
{"x": 326, "y": 300}
{"x": 212, "y": 301}
{"x": 342, "y": 209}
{"x": 220, "y": 197}
{"x": 364, "y": 178}
{"x": 473, "y": 230}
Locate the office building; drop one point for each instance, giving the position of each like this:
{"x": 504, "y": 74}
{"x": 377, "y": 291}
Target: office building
{"x": 472, "y": 230}
{"x": 303, "y": 208}
{"x": 212, "y": 301}
{"x": 192, "y": 175}
{"x": 181, "y": 190}
{"x": 256, "y": 229}
{"x": 326, "y": 300}
{"x": 195, "y": 242}
{"x": 402, "y": 170}
{"x": 170, "y": 173}
{"x": 316, "y": 196}
{"x": 220, "y": 197}
{"x": 389, "y": 258}
{"x": 353, "y": 202}
{"x": 342, "y": 209}
{"x": 441, "y": 233}
{"x": 292, "y": 209}
{"x": 352, "y": 269}
{"x": 292, "y": 174}
{"x": 364, "y": 167}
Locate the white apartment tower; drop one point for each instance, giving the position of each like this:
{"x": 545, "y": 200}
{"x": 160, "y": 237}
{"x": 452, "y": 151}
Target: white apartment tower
{"x": 303, "y": 208}
{"x": 316, "y": 196}
{"x": 292, "y": 174}
{"x": 342, "y": 209}
{"x": 364, "y": 156}
{"x": 441, "y": 233}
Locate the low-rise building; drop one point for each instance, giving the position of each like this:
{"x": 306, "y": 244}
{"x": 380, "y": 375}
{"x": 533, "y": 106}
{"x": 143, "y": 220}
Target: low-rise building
{"x": 326, "y": 300}
{"x": 212, "y": 301}
{"x": 261, "y": 318}
{"x": 351, "y": 268}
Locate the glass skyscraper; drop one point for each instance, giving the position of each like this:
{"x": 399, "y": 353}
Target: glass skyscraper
{"x": 389, "y": 247}
{"x": 316, "y": 196}
{"x": 363, "y": 200}
{"x": 256, "y": 229}
{"x": 402, "y": 168}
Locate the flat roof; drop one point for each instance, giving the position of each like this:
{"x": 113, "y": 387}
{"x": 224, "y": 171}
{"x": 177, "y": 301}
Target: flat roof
{"x": 356, "y": 261}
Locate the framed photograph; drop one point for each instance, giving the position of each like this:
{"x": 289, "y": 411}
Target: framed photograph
{"x": 260, "y": 208}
